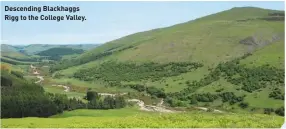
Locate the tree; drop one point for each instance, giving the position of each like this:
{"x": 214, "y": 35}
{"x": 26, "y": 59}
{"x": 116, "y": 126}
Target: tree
{"x": 268, "y": 110}
{"x": 243, "y": 105}
{"x": 194, "y": 101}
{"x": 280, "y": 111}
{"x": 90, "y": 95}
{"x": 120, "y": 102}
{"x": 5, "y": 81}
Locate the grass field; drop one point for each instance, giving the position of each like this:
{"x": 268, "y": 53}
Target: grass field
{"x": 60, "y": 90}
{"x": 132, "y": 118}
{"x": 124, "y": 112}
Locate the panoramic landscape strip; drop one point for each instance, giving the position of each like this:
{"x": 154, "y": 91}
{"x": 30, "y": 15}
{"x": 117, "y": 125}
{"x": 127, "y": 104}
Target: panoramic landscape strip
{"x": 142, "y": 64}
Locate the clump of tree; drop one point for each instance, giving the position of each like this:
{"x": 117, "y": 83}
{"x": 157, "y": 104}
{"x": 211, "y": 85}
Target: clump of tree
{"x": 174, "y": 102}
{"x": 251, "y": 79}
{"x": 204, "y": 97}
{"x": 158, "y": 92}
{"x": 276, "y": 94}
{"x": 243, "y": 105}
{"x": 280, "y": 111}
{"x": 219, "y": 90}
{"x": 268, "y": 110}
{"x": 230, "y": 97}
{"x": 95, "y": 101}
{"x": 112, "y": 71}
{"x": 22, "y": 98}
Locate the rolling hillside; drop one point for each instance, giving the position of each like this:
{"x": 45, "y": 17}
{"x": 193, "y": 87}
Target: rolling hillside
{"x": 57, "y": 53}
{"x": 36, "y": 48}
{"x": 208, "y": 40}
{"x": 231, "y": 60}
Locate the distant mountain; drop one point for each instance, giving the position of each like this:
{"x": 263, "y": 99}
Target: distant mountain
{"x": 57, "y": 53}
{"x": 35, "y": 48}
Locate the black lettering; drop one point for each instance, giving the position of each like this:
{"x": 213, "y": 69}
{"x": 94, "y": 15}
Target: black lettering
{"x": 6, "y": 8}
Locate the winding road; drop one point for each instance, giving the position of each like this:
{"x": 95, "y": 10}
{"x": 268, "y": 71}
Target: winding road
{"x": 140, "y": 103}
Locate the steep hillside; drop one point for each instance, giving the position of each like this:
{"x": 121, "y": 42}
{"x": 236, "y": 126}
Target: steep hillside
{"x": 208, "y": 40}
{"x": 232, "y": 60}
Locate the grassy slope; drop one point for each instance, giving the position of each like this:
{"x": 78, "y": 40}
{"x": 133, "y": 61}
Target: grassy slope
{"x": 191, "y": 40}
{"x": 272, "y": 54}
{"x": 208, "y": 40}
{"x": 134, "y": 118}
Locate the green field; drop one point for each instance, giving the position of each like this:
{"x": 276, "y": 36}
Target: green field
{"x": 130, "y": 118}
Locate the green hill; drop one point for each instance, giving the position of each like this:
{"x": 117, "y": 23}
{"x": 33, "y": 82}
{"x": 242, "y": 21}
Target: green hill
{"x": 231, "y": 60}
{"x": 36, "y": 48}
{"x": 190, "y": 41}
{"x": 57, "y": 52}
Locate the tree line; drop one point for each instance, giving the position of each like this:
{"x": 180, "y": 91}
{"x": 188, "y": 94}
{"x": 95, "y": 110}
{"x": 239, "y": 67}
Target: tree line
{"x": 22, "y": 98}
{"x": 95, "y": 101}
{"x": 114, "y": 72}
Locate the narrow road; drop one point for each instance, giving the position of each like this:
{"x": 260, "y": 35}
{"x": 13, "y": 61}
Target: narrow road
{"x": 35, "y": 72}
{"x": 67, "y": 88}
{"x": 41, "y": 78}
{"x": 144, "y": 107}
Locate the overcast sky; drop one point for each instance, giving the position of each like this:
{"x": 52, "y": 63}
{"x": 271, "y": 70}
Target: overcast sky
{"x": 107, "y": 21}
